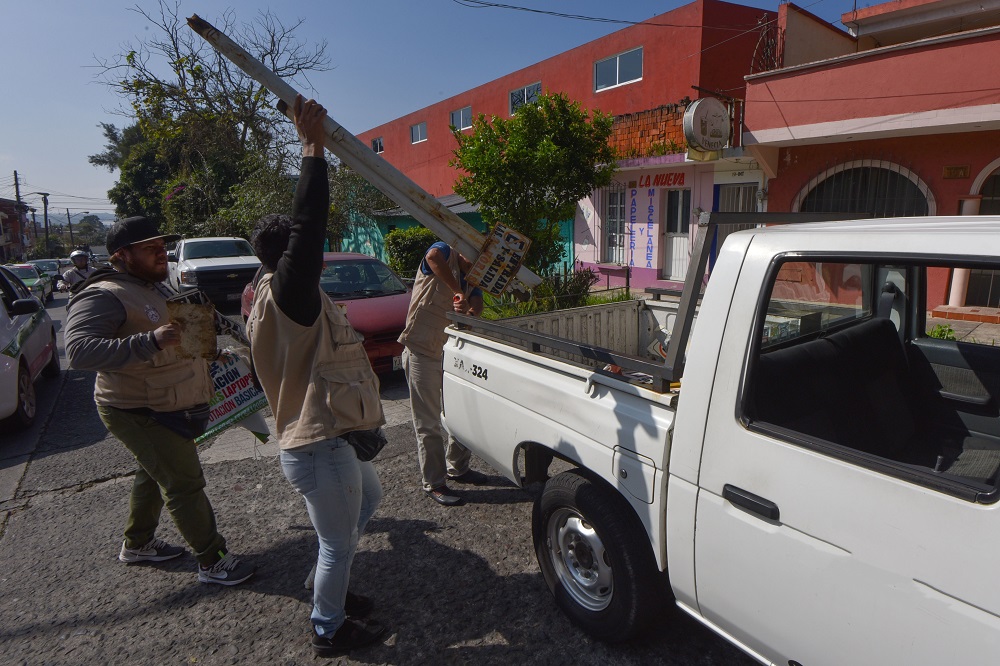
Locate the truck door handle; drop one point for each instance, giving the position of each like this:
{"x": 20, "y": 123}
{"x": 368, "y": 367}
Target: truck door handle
{"x": 750, "y": 503}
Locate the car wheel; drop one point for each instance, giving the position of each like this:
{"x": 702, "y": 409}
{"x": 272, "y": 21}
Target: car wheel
{"x": 24, "y": 415}
{"x": 595, "y": 556}
{"x": 52, "y": 368}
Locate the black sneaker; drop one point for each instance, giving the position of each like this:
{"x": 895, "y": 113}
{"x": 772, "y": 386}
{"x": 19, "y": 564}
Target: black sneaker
{"x": 351, "y": 635}
{"x": 471, "y": 477}
{"x": 358, "y": 606}
{"x": 443, "y": 495}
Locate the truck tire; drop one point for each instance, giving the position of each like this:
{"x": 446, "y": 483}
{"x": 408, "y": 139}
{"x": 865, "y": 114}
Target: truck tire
{"x": 595, "y": 556}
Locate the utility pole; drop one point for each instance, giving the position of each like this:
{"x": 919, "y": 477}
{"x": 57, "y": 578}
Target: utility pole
{"x": 45, "y": 216}
{"x": 69, "y": 221}
{"x": 34, "y": 224}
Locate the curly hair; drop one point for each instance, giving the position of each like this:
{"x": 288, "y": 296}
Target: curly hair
{"x": 270, "y": 238}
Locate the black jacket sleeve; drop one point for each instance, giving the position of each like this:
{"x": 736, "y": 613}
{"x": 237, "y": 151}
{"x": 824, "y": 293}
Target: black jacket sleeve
{"x": 295, "y": 284}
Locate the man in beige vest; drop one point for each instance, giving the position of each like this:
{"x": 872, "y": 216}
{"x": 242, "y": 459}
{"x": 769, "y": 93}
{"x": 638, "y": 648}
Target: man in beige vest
{"x": 439, "y": 288}
{"x": 149, "y": 398}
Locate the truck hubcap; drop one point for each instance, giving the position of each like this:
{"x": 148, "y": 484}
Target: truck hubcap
{"x": 580, "y": 560}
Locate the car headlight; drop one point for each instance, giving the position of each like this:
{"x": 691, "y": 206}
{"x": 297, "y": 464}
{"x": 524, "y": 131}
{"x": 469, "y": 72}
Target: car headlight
{"x": 189, "y": 277}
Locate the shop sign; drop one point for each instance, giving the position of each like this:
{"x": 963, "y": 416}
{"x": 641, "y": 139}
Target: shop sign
{"x": 707, "y": 125}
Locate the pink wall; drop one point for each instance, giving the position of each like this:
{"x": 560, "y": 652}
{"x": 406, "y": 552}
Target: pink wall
{"x": 674, "y": 58}
{"x": 883, "y": 82}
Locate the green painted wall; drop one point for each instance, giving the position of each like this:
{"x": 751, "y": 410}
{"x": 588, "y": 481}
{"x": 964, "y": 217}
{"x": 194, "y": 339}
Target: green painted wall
{"x": 368, "y": 237}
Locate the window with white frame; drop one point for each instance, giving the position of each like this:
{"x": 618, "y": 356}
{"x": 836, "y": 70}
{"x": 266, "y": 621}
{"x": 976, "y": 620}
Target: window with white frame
{"x": 525, "y": 95}
{"x": 462, "y": 118}
{"x": 617, "y": 70}
{"x": 377, "y": 145}
{"x": 615, "y": 239}
{"x": 418, "y": 132}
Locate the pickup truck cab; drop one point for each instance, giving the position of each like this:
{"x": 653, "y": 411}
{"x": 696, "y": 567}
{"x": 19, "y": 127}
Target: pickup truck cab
{"x": 218, "y": 266}
{"x": 814, "y": 469}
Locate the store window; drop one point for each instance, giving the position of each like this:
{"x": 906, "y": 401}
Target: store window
{"x": 615, "y": 239}
{"x": 618, "y": 70}
{"x": 870, "y": 187}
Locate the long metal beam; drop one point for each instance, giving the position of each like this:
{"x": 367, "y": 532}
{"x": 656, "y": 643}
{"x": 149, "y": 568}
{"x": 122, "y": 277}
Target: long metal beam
{"x": 445, "y": 224}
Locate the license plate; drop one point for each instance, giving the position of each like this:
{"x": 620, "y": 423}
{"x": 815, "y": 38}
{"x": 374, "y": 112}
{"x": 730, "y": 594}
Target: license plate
{"x": 233, "y": 297}
{"x": 397, "y": 362}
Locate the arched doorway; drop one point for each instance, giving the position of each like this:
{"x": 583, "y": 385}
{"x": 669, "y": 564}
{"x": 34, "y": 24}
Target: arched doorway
{"x": 872, "y": 187}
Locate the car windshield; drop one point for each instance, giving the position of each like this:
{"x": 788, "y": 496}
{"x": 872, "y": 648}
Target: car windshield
{"x": 46, "y": 265}
{"x": 359, "y": 278}
{"x": 24, "y": 272}
{"x": 217, "y": 248}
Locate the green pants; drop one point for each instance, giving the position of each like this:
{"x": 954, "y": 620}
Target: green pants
{"x": 169, "y": 474}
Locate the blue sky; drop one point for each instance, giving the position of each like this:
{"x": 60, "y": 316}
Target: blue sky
{"x": 387, "y": 57}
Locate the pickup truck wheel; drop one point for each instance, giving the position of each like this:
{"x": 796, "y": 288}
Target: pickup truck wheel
{"x": 595, "y": 556}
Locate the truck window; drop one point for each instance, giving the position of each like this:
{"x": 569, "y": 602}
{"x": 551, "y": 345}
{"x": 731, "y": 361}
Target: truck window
{"x": 808, "y": 297}
{"x": 847, "y": 364}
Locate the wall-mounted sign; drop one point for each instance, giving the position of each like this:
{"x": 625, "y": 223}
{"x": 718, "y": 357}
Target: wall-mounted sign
{"x": 956, "y": 171}
{"x": 707, "y": 125}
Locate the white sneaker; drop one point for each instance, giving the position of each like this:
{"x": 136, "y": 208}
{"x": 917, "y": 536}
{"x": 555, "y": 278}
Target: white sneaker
{"x": 157, "y": 550}
{"x": 227, "y": 571}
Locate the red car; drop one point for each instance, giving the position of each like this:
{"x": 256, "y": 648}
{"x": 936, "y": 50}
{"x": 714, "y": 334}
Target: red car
{"x": 376, "y": 301}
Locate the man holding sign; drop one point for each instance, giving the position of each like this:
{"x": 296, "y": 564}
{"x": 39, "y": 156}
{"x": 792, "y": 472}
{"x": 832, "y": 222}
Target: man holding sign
{"x": 153, "y": 399}
{"x": 439, "y": 288}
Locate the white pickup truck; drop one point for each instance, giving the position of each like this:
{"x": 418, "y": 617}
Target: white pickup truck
{"x": 218, "y": 266}
{"x": 815, "y": 479}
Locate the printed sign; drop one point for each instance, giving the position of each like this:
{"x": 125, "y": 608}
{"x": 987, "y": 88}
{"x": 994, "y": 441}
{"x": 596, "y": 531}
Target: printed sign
{"x": 236, "y": 396}
{"x": 499, "y": 261}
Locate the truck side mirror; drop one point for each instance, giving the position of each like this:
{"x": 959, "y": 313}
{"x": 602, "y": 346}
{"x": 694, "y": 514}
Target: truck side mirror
{"x": 172, "y": 256}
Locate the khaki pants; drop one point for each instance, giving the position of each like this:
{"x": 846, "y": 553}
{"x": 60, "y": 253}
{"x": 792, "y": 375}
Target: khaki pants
{"x": 169, "y": 473}
{"x": 424, "y": 376}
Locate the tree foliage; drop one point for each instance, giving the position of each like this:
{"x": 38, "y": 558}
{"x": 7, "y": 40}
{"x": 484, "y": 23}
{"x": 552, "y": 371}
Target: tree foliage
{"x": 529, "y": 171}
{"x": 405, "y": 248}
{"x": 199, "y": 125}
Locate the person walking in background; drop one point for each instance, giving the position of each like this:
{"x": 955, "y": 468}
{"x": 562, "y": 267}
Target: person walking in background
{"x": 322, "y": 392}
{"x": 80, "y": 271}
{"x": 439, "y": 288}
{"x": 152, "y": 401}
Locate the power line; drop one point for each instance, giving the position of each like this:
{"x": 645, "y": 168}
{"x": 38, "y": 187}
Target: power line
{"x": 482, "y": 4}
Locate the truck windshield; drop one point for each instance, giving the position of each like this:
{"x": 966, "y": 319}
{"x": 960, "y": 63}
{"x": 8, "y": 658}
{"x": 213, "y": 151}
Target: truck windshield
{"x": 218, "y": 248}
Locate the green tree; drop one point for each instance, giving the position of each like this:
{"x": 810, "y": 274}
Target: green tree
{"x": 198, "y": 120}
{"x": 529, "y": 171}
{"x": 406, "y": 247}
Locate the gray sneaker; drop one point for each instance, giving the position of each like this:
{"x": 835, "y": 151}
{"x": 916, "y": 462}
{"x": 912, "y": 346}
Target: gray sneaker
{"x": 227, "y": 571}
{"x": 157, "y": 550}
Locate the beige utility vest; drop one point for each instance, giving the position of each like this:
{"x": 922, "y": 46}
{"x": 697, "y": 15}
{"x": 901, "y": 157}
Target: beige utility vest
{"x": 317, "y": 379}
{"x": 165, "y": 383}
{"x": 426, "y": 318}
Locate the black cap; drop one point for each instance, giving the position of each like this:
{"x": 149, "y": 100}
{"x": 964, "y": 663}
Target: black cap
{"x": 133, "y": 230}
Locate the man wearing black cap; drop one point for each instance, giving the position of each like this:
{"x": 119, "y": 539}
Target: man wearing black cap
{"x": 150, "y": 399}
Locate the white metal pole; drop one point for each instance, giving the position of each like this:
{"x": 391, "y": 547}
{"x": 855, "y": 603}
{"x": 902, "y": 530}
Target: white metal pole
{"x": 445, "y": 224}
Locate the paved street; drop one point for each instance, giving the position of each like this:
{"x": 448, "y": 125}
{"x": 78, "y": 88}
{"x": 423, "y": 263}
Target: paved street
{"x": 454, "y": 585}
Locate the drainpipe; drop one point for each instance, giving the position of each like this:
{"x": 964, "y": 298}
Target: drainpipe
{"x": 967, "y": 205}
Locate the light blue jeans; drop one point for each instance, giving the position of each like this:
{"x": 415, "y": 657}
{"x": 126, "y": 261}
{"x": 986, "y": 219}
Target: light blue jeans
{"x": 341, "y": 494}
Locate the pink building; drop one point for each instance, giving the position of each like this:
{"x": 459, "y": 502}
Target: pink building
{"x": 899, "y": 117}
{"x": 647, "y": 76}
